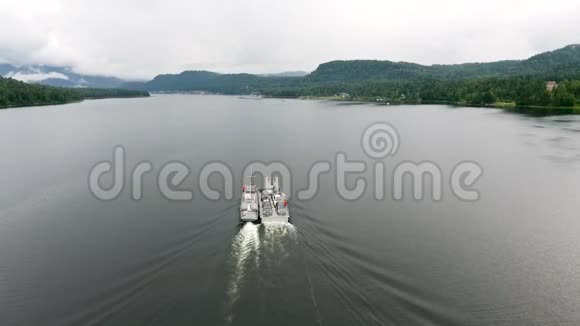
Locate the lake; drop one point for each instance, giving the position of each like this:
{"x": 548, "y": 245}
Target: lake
{"x": 510, "y": 257}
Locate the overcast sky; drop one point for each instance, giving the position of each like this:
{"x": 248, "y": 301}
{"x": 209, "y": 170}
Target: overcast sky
{"x": 142, "y": 38}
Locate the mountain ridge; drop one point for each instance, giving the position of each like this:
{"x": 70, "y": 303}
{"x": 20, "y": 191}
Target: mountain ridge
{"x": 563, "y": 63}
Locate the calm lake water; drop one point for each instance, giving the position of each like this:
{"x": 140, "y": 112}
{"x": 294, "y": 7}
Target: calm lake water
{"x": 510, "y": 258}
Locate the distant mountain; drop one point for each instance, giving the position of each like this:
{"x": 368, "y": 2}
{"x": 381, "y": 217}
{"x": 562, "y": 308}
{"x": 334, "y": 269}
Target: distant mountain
{"x": 57, "y": 76}
{"x": 210, "y": 82}
{"x": 287, "y": 74}
{"x": 562, "y": 63}
{"x": 555, "y": 65}
{"x": 566, "y": 55}
{"x": 356, "y": 70}
{"x": 5, "y": 68}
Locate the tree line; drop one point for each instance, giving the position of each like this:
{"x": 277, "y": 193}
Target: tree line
{"x": 520, "y": 90}
{"x": 16, "y": 93}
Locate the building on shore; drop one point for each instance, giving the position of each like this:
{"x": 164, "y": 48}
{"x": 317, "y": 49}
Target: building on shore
{"x": 551, "y": 85}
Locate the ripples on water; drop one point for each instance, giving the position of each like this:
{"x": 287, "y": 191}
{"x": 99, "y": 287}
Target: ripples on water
{"x": 358, "y": 281}
{"x": 332, "y": 267}
{"x": 138, "y": 279}
{"x": 67, "y": 258}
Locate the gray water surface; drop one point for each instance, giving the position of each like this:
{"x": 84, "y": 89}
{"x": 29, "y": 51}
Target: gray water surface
{"x": 511, "y": 258}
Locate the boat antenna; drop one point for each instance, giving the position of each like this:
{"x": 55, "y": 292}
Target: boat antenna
{"x": 250, "y": 176}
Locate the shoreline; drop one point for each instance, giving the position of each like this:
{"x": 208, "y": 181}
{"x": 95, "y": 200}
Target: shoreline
{"x": 507, "y": 106}
{"x": 67, "y": 102}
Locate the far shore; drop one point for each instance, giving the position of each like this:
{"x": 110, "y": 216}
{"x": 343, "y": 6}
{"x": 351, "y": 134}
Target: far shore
{"x": 508, "y": 106}
{"x": 66, "y": 102}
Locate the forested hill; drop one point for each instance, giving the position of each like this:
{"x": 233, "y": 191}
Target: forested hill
{"x": 15, "y": 93}
{"x": 560, "y": 64}
{"x": 556, "y": 65}
{"x": 213, "y": 82}
{"x": 512, "y": 82}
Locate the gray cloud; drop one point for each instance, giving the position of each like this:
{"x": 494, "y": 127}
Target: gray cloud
{"x": 139, "y": 39}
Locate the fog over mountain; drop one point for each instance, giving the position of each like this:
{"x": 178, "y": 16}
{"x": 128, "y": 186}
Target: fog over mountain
{"x": 262, "y": 37}
{"x": 57, "y": 76}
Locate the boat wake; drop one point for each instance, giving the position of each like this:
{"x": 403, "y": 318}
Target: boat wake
{"x": 275, "y": 240}
{"x": 244, "y": 255}
{"x": 256, "y": 249}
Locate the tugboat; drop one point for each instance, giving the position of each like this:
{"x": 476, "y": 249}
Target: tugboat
{"x": 264, "y": 205}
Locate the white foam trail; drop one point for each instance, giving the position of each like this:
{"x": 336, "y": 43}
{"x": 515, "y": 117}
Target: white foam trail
{"x": 245, "y": 245}
{"x": 269, "y": 242}
{"x": 275, "y": 240}
{"x": 276, "y": 245}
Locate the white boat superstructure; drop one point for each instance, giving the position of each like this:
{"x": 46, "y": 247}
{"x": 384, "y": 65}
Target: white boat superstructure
{"x": 249, "y": 206}
{"x": 272, "y": 204}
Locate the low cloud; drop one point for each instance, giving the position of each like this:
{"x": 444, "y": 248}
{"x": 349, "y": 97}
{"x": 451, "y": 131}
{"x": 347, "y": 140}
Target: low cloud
{"x": 139, "y": 39}
{"x": 33, "y": 77}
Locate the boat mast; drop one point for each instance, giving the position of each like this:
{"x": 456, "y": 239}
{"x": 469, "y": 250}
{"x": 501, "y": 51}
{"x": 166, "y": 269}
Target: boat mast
{"x": 251, "y": 173}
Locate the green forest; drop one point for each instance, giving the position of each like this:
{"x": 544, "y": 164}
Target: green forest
{"x": 509, "y": 83}
{"x": 512, "y": 84}
{"x": 504, "y": 83}
{"x": 15, "y": 93}
{"x": 519, "y": 91}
